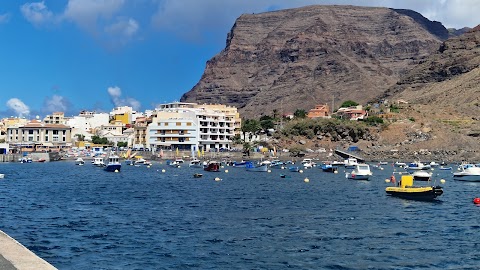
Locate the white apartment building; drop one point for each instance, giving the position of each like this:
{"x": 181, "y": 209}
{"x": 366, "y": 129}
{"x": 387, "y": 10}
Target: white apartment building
{"x": 187, "y": 127}
{"x": 86, "y": 122}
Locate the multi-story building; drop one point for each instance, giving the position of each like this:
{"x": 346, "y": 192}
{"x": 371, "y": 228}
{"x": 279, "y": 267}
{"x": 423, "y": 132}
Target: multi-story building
{"x": 320, "y": 111}
{"x": 38, "y": 136}
{"x": 55, "y": 118}
{"x": 192, "y": 127}
{"x": 86, "y": 123}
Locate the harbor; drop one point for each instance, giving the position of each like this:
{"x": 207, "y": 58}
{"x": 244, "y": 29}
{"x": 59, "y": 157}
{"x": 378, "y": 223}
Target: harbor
{"x": 163, "y": 217}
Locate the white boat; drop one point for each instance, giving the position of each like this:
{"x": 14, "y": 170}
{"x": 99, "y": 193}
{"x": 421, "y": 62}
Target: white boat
{"x": 361, "y": 172}
{"x": 139, "y": 161}
{"x": 400, "y": 164}
{"x": 421, "y": 175}
{"x": 308, "y": 163}
{"x": 98, "y": 161}
{"x": 434, "y": 164}
{"x": 179, "y": 160}
{"x": 195, "y": 163}
{"x": 79, "y": 161}
{"x": 2, "y": 175}
{"x": 417, "y": 165}
{"x": 350, "y": 163}
{"x": 113, "y": 164}
{"x": 471, "y": 173}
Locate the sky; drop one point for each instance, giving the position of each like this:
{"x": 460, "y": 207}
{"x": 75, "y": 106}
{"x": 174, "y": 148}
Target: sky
{"x": 73, "y": 55}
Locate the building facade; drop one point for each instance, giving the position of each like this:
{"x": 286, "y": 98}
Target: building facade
{"x": 37, "y": 136}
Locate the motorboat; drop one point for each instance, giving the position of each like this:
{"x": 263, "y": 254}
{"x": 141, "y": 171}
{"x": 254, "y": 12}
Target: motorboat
{"x": 79, "y": 161}
{"x": 2, "y": 175}
{"x": 422, "y": 175}
{"x": 308, "y": 163}
{"x": 445, "y": 168}
{"x": 407, "y": 190}
{"x": 113, "y": 164}
{"x": 329, "y": 168}
{"x": 197, "y": 175}
{"x": 240, "y": 163}
{"x": 400, "y": 164}
{"x": 212, "y": 166}
{"x": 179, "y": 160}
{"x": 139, "y": 161}
{"x": 434, "y": 164}
{"x": 468, "y": 173}
{"x": 98, "y": 161}
{"x": 277, "y": 164}
{"x": 361, "y": 172}
{"x": 294, "y": 168}
{"x": 260, "y": 168}
{"x": 195, "y": 163}
{"x": 26, "y": 160}
{"x": 350, "y": 163}
{"x": 417, "y": 165}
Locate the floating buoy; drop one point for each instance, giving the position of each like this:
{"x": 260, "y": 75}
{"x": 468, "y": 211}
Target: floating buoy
{"x": 218, "y": 179}
{"x": 226, "y": 171}
{"x": 282, "y": 168}
{"x": 387, "y": 180}
{"x": 163, "y": 170}
{"x": 306, "y": 180}
{"x": 116, "y": 170}
{"x": 301, "y": 171}
{"x": 269, "y": 171}
{"x": 476, "y": 201}
{"x": 442, "y": 181}
{"x": 335, "y": 171}
{"x": 148, "y": 166}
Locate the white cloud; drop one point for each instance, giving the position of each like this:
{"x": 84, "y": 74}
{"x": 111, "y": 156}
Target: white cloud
{"x": 126, "y": 28}
{"x": 18, "y": 107}
{"x": 87, "y": 13}
{"x": 4, "y": 18}
{"x": 116, "y": 97}
{"x": 36, "y": 13}
{"x": 56, "y": 104}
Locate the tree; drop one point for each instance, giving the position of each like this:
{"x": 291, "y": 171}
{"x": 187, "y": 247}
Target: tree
{"x": 348, "y": 103}
{"x": 266, "y": 122}
{"x": 100, "y": 140}
{"x": 300, "y": 113}
{"x": 122, "y": 144}
{"x": 251, "y": 126}
{"x": 80, "y": 137}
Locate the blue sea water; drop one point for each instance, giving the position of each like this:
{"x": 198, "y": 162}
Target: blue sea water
{"x": 81, "y": 217}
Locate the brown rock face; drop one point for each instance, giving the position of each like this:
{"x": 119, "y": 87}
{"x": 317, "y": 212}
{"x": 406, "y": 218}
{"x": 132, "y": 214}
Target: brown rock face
{"x": 297, "y": 58}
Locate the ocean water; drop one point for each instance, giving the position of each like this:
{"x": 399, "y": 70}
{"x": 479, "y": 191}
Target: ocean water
{"x": 81, "y": 217}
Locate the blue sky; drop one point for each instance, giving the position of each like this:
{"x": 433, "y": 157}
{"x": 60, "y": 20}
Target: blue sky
{"x": 72, "y": 55}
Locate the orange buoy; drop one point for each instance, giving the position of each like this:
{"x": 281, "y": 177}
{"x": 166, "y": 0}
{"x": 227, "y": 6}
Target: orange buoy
{"x": 476, "y": 201}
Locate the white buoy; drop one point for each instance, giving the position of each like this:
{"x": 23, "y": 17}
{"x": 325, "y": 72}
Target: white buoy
{"x": 301, "y": 171}
{"x": 218, "y": 179}
{"x": 283, "y": 168}
{"x": 387, "y": 180}
{"x": 116, "y": 170}
{"x": 335, "y": 171}
{"x": 148, "y": 166}
{"x": 306, "y": 180}
{"x": 163, "y": 170}
{"x": 226, "y": 171}
{"x": 442, "y": 181}
{"x": 269, "y": 171}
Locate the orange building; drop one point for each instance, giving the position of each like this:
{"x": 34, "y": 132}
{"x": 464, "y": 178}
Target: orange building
{"x": 320, "y": 111}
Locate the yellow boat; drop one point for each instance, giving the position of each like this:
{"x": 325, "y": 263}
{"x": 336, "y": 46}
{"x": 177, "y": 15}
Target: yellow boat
{"x": 407, "y": 190}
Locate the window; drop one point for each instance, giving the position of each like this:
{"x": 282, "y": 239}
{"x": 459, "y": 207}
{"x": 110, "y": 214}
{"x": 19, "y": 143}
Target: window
{"x": 178, "y": 124}
{"x": 30, "y": 131}
{"x": 166, "y": 124}
{"x": 189, "y": 124}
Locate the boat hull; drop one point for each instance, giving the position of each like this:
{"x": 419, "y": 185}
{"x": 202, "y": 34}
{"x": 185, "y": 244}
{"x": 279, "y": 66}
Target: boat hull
{"x": 113, "y": 167}
{"x": 466, "y": 177}
{"x": 415, "y": 193}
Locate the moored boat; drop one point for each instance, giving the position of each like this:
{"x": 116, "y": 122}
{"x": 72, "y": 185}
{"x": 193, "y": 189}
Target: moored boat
{"x": 113, "y": 165}
{"x": 468, "y": 173}
{"x": 422, "y": 175}
{"x": 98, "y": 161}
{"x": 260, "y": 168}
{"x": 212, "y": 166}
{"x": 407, "y": 190}
{"x": 294, "y": 168}
{"x": 79, "y": 161}
{"x": 195, "y": 163}
{"x": 361, "y": 172}
{"x": 329, "y": 168}
{"x": 350, "y": 163}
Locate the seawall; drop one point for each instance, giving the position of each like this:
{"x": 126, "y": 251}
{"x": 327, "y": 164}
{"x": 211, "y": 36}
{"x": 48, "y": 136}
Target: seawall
{"x": 14, "y": 255}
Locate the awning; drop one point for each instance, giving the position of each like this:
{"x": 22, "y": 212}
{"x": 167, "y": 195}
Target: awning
{"x": 47, "y": 144}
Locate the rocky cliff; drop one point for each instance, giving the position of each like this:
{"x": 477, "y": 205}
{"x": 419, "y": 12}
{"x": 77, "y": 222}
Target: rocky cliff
{"x": 297, "y": 58}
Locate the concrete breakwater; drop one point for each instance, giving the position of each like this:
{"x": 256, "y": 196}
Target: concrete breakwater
{"x": 14, "y": 255}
